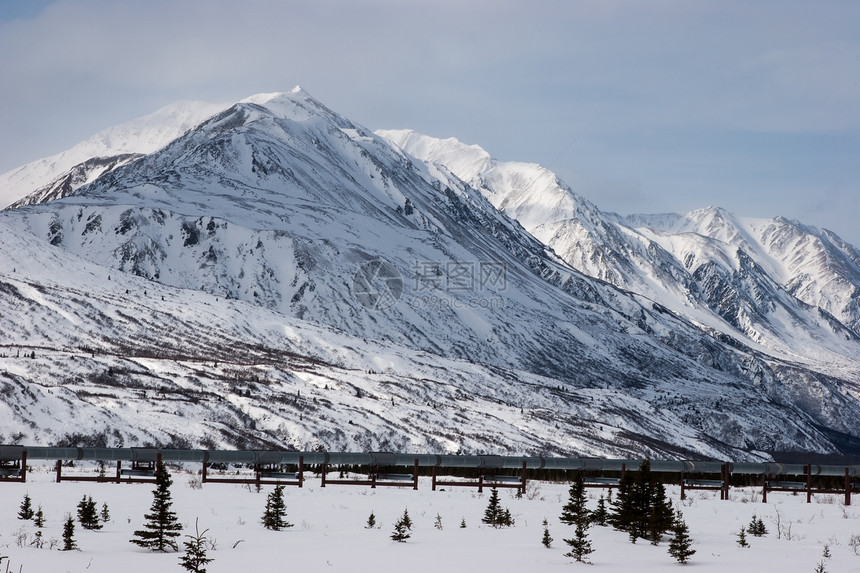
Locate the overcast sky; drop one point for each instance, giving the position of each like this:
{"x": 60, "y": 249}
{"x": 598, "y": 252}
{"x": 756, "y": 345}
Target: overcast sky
{"x": 640, "y": 106}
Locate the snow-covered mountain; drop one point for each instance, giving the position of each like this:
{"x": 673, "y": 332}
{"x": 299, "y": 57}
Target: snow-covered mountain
{"x": 55, "y": 176}
{"x": 279, "y": 275}
{"x": 772, "y": 284}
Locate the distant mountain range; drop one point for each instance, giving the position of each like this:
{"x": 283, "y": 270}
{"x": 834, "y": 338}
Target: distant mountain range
{"x": 272, "y": 274}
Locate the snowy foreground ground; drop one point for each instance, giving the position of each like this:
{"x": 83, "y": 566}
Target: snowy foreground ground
{"x": 330, "y": 534}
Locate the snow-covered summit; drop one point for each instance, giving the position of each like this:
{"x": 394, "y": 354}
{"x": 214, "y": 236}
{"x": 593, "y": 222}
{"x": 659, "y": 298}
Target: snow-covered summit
{"x": 138, "y": 136}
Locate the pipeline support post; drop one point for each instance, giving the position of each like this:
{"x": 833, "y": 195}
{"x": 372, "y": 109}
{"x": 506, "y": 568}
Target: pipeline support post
{"x": 301, "y": 470}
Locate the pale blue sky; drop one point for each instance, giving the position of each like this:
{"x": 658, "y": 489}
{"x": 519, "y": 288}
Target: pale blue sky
{"x": 752, "y": 106}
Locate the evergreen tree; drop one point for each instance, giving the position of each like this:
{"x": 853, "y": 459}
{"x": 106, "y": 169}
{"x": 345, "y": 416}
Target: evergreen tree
{"x": 662, "y": 514}
{"x": 162, "y": 525}
{"x": 26, "y": 509}
{"x": 276, "y": 510}
{"x": 401, "y": 530}
{"x": 492, "y": 515}
{"x": 600, "y": 515}
{"x": 195, "y": 559}
{"x": 580, "y": 546}
{"x": 742, "y": 538}
{"x": 39, "y": 518}
{"x": 495, "y": 514}
{"x": 371, "y": 521}
{"x": 69, "y": 534}
{"x": 760, "y": 528}
{"x": 640, "y": 507}
{"x": 680, "y": 546}
{"x": 105, "y": 514}
{"x": 574, "y": 511}
{"x": 756, "y": 527}
{"x": 546, "y": 540}
{"x": 87, "y": 514}
{"x": 463, "y": 523}
{"x": 621, "y": 514}
{"x": 407, "y": 521}
{"x": 438, "y": 523}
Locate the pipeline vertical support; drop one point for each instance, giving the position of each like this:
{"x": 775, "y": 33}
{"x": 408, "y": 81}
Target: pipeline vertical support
{"x": 301, "y": 470}
{"x": 724, "y": 493}
{"x": 434, "y": 478}
{"x": 764, "y": 488}
{"x": 415, "y": 475}
{"x": 847, "y": 487}
{"x": 24, "y": 466}
{"x": 683, "y": 483}
{"x": 524, "y": 478}
{"x": 59, "y": 471}
{"x": 481, "y": 483}
{"x": 324, "y": 468}
{"x": 808, "y": 469}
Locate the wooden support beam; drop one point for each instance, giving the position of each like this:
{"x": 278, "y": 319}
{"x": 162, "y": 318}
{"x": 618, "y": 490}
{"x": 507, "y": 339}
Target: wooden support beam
{"x": 301, "y": 470}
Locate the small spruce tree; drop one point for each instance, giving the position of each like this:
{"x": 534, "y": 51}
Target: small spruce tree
{"x": 105, "y": 513}
{"x": 680, "y": 546}
{"x": 407, "y": 521}
{"x": 580, "y": 546}
{"x": 742, "y": 538}
{"x": 69, "y": 534}
{"x": 276, "y": 510}
{"x": 39, "y": 518}
{"x": 600, "y": 515}
{"x": 574, "y": 511}
{"x": 438, "y": 523}
{"x": 87, "y": 514}
{"x": 371, "y": 521}
{"x": 162, "y": 525}
{"x": 26, "y": 509}
{"x": 401, "y": 531}
{"x": 547, "y": 539}
{"x": 194, "y": 559}
{"x": 463, "y": 523}
{"x": 495, "y": 514}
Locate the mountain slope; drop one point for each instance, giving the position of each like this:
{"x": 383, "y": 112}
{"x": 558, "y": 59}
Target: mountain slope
{"x": 72, "y": 168}
{"x": 348, "y": 256}
{"x": 764, "y": 296}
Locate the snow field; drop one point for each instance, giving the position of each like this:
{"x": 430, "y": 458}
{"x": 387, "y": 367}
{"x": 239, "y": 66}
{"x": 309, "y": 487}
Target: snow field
{"x": 329, "y": 531}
